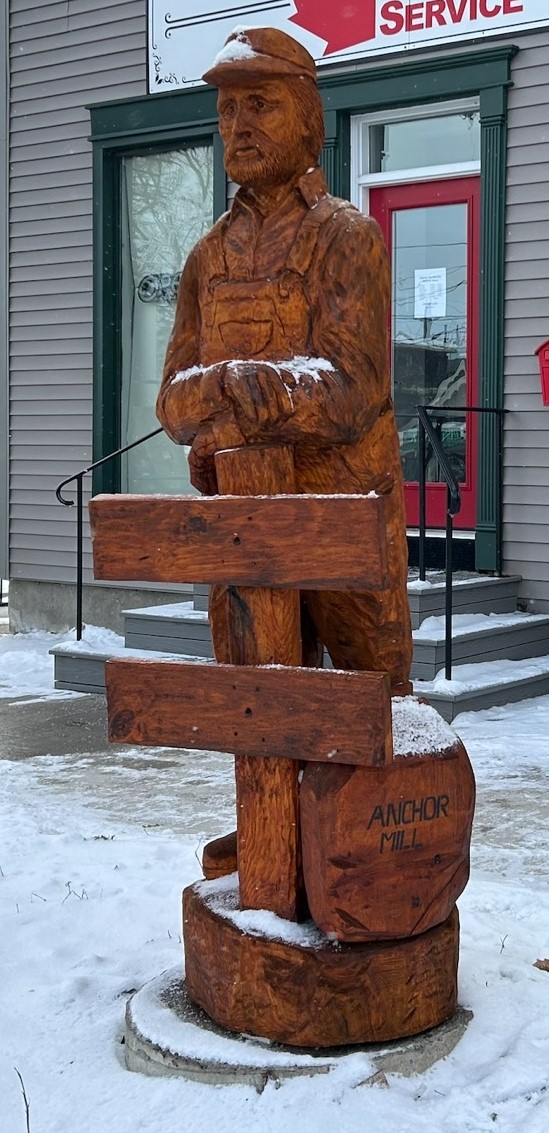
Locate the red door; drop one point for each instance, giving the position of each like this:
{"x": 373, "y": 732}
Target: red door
{"x": 432, "y": 233}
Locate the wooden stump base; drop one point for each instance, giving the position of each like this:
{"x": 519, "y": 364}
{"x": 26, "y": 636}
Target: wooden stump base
{"x": 257, "y": 974}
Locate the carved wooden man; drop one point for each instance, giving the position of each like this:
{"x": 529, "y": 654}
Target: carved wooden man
{"x": 280, "y": 335}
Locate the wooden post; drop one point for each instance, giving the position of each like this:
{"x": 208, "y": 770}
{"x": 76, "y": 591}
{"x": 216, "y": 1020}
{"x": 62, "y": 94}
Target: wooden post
{"x": 263, "y": 629}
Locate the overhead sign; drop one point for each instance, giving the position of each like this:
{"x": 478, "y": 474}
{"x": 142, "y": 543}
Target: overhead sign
{"x": 185, "y": 35}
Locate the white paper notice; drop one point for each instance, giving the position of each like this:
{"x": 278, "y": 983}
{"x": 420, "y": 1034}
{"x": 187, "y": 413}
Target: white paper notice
{"x": 429, "y": 293}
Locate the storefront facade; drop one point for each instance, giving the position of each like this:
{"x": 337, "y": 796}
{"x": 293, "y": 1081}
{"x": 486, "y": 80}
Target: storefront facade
{"x": 437, "y": 119}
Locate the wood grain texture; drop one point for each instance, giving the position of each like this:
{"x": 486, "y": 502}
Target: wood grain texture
{"x": 296, "y": 714}
{"x": 386, "y": 850}
{"x": 313, "y": 542}
{"x": 263, "y": 627}
{"x": 219, "y": 857}
{"x": 321, "y": 994}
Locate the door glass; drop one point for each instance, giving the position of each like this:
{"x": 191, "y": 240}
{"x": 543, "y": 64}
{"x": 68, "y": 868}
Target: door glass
{"x": 429, "y": 329}
{"x": 418, "y": 143}
{"x": 167, "y": 205}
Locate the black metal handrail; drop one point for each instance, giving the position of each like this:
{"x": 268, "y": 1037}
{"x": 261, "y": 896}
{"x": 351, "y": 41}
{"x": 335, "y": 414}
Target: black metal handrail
{"x": 453, "y": 501}
{"x": 453, "y": 506}
{"x": 79, "y": 478}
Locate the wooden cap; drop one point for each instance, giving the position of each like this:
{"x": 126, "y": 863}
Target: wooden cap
{"x": 250, "y": 53}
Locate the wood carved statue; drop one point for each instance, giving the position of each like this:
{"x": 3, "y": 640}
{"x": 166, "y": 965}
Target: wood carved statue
{"x": 354, "y": 800}
{"x": 280, "y": 338}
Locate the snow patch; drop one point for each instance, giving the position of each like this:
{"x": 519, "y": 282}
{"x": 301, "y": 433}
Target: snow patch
{"x": 239, "y": 48}
{"x": 418, "y": 729}
{"x": 434, "y": 628}
{"x": 467, "y": 678}
{"x": 222, "y": 896}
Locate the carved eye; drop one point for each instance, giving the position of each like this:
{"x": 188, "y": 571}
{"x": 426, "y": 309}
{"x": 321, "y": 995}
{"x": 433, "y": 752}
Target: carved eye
{"x": 227, "y": 110}
{"x": 259, "y": 104}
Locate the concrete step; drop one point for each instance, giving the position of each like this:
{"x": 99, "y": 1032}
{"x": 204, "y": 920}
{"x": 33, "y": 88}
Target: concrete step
{"x": 182, "y": 628}
{"x": 80, "y": 665}
{"x": 492, "y": 644}
{"x": 475, "y": 687}
{"x": 175, "y": 628}
{"x": 479, "y": 638}
{"x": 471, "y": 594}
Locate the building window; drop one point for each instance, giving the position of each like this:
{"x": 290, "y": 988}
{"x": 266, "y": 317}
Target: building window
{"x": 166, "y": 206}
{"x": 418, "y": 143}
{"x": 417, "y": 172}
{"x": 158, "y": 186}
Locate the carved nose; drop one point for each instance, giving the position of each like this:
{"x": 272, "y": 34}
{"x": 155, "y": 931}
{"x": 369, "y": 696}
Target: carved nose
{"x": 241, "y": 121}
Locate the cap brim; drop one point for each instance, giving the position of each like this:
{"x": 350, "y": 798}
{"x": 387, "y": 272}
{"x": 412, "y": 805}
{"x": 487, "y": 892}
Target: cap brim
{"x": 247, "y": 69}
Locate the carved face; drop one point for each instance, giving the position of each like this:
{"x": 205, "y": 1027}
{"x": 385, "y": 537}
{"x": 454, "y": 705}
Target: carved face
{"x": 263, "y": 133}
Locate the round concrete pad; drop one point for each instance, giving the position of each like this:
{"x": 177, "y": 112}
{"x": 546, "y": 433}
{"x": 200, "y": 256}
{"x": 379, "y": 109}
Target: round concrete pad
{"x": 167, "y": 1034}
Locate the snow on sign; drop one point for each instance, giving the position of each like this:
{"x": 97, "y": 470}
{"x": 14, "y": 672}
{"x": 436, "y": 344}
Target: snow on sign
{"x": 185, "y": 35}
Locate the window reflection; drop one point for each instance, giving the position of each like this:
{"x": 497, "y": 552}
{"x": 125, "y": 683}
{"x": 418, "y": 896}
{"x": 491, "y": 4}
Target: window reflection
{"x": 429, "y": 328}
{"x": 167, "y": 205}
{"x": 421, "y": 142}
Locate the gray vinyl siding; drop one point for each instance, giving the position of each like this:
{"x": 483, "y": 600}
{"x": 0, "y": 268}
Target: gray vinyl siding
{"x": 63, "y": 56}
{"x": 526, "y": 460}
{"x": 4, "y": 568}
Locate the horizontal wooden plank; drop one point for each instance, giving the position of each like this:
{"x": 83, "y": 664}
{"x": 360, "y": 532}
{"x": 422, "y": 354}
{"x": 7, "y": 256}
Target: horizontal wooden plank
{"x": 306, "y": 542}
{"x": 313, "y": 714}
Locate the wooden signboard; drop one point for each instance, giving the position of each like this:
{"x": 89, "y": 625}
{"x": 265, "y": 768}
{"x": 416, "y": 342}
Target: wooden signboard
{"x": 286, "y": 540}
{"x": 291, "y": 713}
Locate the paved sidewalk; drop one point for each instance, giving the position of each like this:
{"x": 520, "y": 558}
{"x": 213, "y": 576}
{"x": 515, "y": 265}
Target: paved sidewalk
{"x": 190, "y": 793}
{"x": 57, "y": 727}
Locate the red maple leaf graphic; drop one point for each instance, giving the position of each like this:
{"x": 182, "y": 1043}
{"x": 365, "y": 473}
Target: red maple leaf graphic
{"x": 341, "y": 24}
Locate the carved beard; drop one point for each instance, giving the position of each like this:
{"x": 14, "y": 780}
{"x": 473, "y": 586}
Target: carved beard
{"x": 270, "y": 167}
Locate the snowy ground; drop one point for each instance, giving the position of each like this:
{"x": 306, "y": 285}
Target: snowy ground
{"x": 94, "y": 851}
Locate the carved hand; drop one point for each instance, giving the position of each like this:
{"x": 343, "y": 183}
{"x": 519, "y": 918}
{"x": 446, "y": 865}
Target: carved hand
{"x": 190, "y": 400}
{"x": 221, "y": 433}
{"x": 259, "y": 397}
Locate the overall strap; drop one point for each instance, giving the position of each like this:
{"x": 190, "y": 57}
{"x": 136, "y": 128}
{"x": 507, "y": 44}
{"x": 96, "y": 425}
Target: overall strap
{"x": 304, "y": 246}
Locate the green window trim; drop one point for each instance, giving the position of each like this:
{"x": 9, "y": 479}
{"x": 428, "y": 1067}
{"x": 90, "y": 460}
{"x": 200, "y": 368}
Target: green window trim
{"x": 133, "y": 126}
{"x": 160, "y": 121}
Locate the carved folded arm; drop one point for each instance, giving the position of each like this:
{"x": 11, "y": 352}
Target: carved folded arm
{"x": 335, "y": 395}
{"x": 332, "y": 396}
